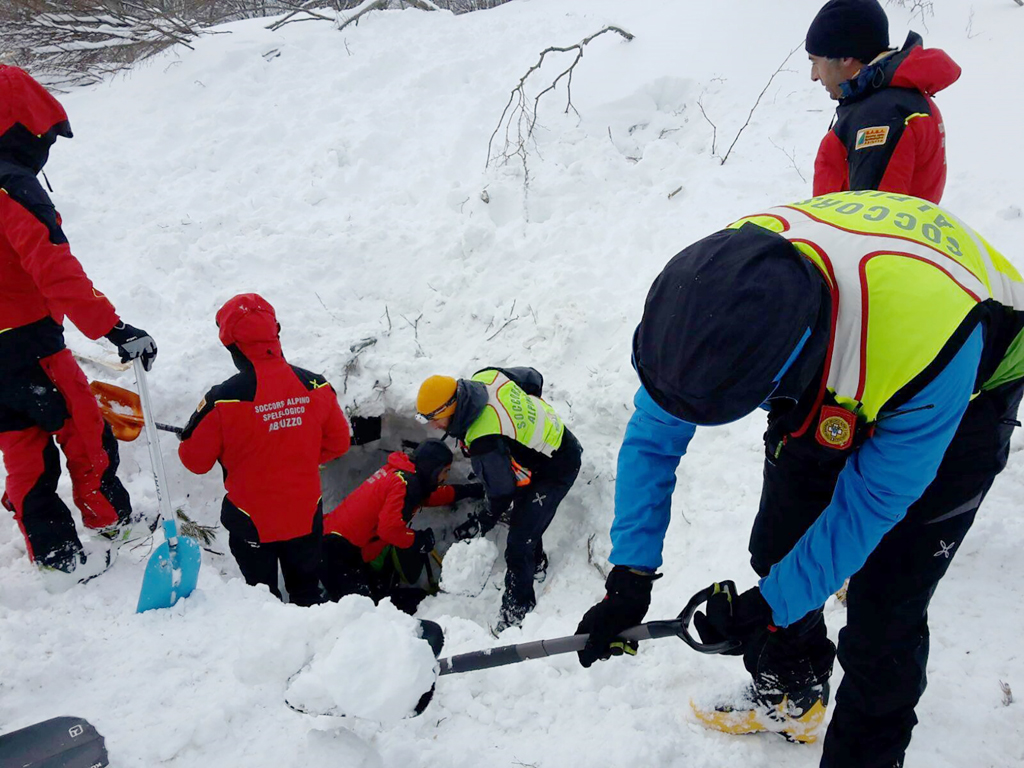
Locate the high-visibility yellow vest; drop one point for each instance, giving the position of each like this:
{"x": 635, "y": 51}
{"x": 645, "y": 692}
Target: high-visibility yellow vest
{"x": 516, "y": 415}
{"x": 905, "y": 277}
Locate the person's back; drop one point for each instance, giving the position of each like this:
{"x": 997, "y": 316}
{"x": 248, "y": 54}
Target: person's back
{"x": 272, "y": 461}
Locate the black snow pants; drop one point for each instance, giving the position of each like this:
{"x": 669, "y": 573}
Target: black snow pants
{"x": 532, "y": 511}
{"x": 392, "y": 576}
{"x": 299, "y": 558}
{"x": 884, "y": 647}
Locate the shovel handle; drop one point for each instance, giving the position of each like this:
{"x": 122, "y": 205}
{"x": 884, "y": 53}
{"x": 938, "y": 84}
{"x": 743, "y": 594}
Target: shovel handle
{"x": 153, "y": 438}
{"x": 538, "y": 649}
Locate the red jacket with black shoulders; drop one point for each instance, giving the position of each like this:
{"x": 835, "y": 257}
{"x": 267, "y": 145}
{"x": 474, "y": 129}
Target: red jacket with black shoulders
{"x": 41, "y": 282}
{"x": 888, "y": 133}
{"x": 270, "y": 426}
{"x": 379, "y": 511}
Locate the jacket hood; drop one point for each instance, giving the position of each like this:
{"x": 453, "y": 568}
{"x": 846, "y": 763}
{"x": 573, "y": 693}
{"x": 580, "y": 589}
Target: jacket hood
{"x": 248, "y": 322}
{"x": 30, "y": 119}
{"x": 928, "y": 70}
{"x": 724, "y": 322}
{"x": 401, "y": 460}
{"x": 471, "y": 399}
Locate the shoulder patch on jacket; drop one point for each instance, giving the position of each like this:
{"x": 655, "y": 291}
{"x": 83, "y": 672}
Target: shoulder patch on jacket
{"x": 874, "y": 136}
{"x": 309, "y": 379}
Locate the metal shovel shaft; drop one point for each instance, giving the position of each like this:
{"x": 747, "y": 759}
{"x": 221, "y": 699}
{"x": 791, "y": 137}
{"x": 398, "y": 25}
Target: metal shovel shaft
{"x": 153, "y": 438}
{"x": 538, "y": 649}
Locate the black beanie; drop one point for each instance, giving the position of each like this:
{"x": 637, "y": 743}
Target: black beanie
{"x": 855, "y": 28}
{"x": 721, "y": 321}
{"x": 430, "y": 457}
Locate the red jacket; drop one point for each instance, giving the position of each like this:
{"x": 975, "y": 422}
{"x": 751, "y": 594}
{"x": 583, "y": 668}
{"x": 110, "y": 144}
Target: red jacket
{"x": 39, "y": 278}
{"x": 888, "y": 134}
{"x": 271, "y": 426}
{"x": 379, "y": 511}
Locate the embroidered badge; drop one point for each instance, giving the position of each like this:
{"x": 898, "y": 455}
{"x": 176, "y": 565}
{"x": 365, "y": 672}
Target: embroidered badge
{"x": 872, "y": 137}
{"x": 202, "y": 404}
{"x": 835, "y": 427}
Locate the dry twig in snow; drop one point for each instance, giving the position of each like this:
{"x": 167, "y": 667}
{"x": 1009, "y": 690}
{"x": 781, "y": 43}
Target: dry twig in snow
{"x": 767, "y": 85}
{"x": 522, "y": 115}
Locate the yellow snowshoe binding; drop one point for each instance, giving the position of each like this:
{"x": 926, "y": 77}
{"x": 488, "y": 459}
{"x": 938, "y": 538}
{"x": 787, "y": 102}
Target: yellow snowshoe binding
{"x": 797, "y": 717}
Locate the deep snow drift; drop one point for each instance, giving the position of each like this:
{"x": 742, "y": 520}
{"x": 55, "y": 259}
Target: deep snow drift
{"x": 342, "y": 176}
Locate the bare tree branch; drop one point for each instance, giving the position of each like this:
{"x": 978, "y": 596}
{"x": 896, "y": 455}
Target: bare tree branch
{"x": 521, "y": 114}
{"x": 714, "y": 128}
{"x": 767, "y": 85}
{"x": 792, "y": 159}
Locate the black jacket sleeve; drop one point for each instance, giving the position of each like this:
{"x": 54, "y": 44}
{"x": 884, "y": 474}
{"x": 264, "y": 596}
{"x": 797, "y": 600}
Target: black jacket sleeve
{"x": 492, "y": 463}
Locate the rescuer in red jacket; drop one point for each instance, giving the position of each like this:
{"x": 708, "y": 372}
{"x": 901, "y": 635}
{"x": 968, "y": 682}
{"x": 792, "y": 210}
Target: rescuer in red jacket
{"x": 888, "y": 133}
{"x": 369, "y": 548}
{"x": 270, "y": 426}
{"x": 43, "y": 393}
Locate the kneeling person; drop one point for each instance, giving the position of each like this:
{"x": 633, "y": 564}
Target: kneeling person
{"x": 525, "y": 456}
{"x": 270, "y": 426}
{"x": 369, "y": 548}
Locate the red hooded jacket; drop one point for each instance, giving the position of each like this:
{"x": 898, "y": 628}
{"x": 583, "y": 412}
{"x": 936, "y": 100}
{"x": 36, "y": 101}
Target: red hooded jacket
{"x": 270, "y": 426}
{"x": 379, "y": 511}
{"x": 888, "y": 134}
{"x": 39, "y": 278}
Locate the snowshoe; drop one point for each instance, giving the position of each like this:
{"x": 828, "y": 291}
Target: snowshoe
{"x": 138, "y": 526}
{"x": 796, "y": 717}
{"x": 79, "y": 568}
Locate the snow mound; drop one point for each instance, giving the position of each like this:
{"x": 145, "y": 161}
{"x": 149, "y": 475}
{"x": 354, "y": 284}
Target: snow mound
{"x": 377, "y": 667}
{"x": 467, "y": 566}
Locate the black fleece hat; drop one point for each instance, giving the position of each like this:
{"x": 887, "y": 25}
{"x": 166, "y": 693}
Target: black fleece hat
{"x": 430, "y": 457}
{"x": 856, "y": 28}
{"x": 722, "y": 320}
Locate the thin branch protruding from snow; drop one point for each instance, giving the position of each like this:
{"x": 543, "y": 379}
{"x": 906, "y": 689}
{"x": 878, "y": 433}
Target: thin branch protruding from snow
{"x": 792, "y": 159}
{"x": 767, "y": 85}
{"x": 519, "y": 112}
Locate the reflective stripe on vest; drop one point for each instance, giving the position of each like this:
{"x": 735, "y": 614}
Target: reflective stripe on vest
{"x": 512, "y": 413}
{"x": 904, "y": 275}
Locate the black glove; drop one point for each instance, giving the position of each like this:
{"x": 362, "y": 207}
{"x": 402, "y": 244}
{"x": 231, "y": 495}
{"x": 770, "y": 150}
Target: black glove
{"x": 424, "y": 541}
{"x": 467, "y": 530}
{"x": 475, "y": 525}
{"x": 132, "y": 342}
{"x": 732, "y": 616}
{"x": 365, "y": 429}
{"x": 625, "y": 605}
{"x": 468, "y": 491}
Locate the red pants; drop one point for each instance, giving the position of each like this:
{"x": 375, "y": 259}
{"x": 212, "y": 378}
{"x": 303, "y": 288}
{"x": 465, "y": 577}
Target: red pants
{"x": 54, "y": 400}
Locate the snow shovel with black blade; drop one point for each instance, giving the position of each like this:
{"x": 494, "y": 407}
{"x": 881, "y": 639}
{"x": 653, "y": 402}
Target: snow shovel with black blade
{"x": 173, "y": 569}
{"x": 63, "y": 742}
{"x": 539, "y": 649}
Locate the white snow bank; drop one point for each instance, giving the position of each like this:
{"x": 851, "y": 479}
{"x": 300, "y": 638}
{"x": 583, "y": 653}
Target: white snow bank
{"x": 377, "y": 667}
{"x": 467, "y": 566}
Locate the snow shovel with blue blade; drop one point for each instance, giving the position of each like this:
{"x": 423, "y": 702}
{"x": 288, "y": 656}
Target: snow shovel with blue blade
{"x": 173, "y": 569}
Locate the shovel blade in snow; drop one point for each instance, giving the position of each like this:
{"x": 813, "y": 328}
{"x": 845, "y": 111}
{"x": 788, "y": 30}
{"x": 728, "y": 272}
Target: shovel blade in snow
{"x": 172, "y": 571}
{"x": 121, "y": 409}
{"x": 63, "y": 742}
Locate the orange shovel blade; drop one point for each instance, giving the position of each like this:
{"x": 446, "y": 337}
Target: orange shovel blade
{"x": 121, "y": 409}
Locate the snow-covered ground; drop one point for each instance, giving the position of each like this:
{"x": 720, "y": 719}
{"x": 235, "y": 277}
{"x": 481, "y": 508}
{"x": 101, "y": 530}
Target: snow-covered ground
{"x": 342, "y": 175}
